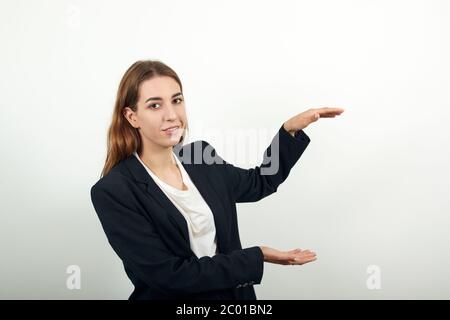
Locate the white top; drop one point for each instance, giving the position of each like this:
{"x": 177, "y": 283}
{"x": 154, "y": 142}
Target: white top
{"x": 198, "y": 215}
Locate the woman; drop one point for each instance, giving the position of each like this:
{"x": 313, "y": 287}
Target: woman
{"x": 168, "y": 211}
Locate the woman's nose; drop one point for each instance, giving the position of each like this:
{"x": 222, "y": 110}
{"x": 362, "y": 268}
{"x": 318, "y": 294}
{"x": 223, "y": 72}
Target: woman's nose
{"x": 170, "y": 112}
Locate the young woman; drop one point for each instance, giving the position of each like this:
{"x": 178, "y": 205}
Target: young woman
{"x": 168, "y": 211}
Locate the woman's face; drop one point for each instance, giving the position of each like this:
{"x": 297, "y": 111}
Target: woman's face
{"x": 160, "y": 106}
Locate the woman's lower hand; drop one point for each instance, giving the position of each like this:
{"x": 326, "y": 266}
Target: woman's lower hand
{"x": 296, "y": 256}
{"x": 304, "y": 119}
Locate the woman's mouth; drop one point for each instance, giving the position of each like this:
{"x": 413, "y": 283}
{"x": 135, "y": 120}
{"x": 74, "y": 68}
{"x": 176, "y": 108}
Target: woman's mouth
{"x": 172, "y": 131}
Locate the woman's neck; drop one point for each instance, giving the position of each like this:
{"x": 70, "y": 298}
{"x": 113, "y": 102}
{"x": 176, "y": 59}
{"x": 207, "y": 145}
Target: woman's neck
{"x": 158, "y": 159}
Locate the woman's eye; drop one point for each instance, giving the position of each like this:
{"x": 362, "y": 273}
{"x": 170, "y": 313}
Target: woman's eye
{"x": 152, "y": 105}
{"x": 178, "y": 99}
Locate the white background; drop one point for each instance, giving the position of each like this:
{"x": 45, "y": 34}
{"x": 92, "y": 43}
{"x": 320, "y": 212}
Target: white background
{"x": 371, "y": 188}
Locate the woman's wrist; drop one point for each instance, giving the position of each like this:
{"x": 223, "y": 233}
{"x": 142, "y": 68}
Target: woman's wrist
{"x": 263, "y": 251}
{"x": 288, "y": 128}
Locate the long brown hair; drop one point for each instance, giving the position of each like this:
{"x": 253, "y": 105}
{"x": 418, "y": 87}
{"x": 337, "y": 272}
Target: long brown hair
{"x": 123, "y": 139}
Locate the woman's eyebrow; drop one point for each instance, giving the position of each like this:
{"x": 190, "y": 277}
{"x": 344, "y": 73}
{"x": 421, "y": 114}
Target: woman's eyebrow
{"x": 158, "y": 98}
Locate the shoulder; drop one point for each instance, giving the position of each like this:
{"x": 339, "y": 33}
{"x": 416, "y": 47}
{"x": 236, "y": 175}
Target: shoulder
{"x": 116, "y": 182}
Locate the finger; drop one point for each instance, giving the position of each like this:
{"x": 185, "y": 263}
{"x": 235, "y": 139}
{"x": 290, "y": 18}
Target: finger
{"x": 310, "y": 254}
{"x": 291, "y": 254}
{"x": 304, "y": 254}
{"x": 307, "y": 256}
{"x": 329, "y": 115}
{"x": 305, "y": 260}
{"x": 329, "y": 110}
{"x": 309, "y": 260}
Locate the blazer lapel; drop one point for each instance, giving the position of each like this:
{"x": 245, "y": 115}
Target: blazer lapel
{"x": 203, "y": 185}
{"x": 206, "y": 188}
{"x": 141, "y": 175}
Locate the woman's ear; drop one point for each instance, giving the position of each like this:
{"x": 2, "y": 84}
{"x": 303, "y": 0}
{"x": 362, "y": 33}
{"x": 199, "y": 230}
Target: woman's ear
{"x": 131, "y": 117}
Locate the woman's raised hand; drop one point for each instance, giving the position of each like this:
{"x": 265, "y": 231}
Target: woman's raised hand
{"x": 296, "y": 256}
{"x": 304, "y": 119}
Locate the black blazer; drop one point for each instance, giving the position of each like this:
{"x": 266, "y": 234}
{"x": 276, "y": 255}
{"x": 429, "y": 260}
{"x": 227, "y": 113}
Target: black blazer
{"x": 151, "y": 237}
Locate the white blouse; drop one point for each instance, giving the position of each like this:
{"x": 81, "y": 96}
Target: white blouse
{"x": 198, "y": 215}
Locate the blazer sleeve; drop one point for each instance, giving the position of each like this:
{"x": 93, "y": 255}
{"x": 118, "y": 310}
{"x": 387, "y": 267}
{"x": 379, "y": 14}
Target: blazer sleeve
{"x": 136, "y": 241}
{"x": 250, "y": 185}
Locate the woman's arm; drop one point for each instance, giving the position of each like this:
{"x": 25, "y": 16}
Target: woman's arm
{"x": 250, "y": 185}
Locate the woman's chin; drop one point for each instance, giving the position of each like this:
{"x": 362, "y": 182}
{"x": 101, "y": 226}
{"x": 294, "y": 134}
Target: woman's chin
{"x": 170, "y": 141}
